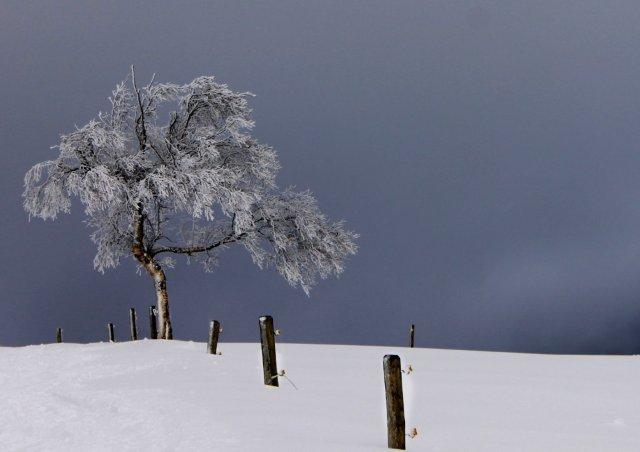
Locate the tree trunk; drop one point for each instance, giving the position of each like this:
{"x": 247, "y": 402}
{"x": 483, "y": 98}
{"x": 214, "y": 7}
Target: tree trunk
{"x": 160, "y": 283}
{"x": 164, "y": 319}
{"x": 155, "y": 271}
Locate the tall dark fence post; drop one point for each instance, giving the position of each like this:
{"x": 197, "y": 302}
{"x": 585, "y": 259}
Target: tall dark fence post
{"x": 214, "y": 332}
{"x": 395, "y": 402}
{"x": 112, "y": 337}
{"x": 412, "y": 334}
{"x": 268, "y": 343}
{"x": 153, "y": 328}
{"x": 59, "y": 335}
{"x": 132, "y": 324}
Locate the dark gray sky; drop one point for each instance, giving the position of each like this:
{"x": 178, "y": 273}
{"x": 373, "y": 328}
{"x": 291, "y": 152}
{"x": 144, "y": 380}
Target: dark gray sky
{"x": 487, "y": 153}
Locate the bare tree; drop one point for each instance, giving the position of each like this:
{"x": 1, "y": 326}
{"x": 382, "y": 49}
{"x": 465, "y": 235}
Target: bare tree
{"x": 172, "y": 169}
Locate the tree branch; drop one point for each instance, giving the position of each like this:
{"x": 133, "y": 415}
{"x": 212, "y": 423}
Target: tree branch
{"x": 190, "y": 114}
{"x": 138, "y": 248}
{"x": 199, "y": 249}
{"x": 141, "y": 130}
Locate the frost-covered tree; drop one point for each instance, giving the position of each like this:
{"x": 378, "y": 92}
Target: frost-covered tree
{"x": 172, "y": 169}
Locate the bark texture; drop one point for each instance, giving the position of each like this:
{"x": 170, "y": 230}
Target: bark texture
{"x": 157, "y": 274}
{"x": 160, "y": 283}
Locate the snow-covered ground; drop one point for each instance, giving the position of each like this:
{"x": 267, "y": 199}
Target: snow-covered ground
{"x": 160, "y": 395}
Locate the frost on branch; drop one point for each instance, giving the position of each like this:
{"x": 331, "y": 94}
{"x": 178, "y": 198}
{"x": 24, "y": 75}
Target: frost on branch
{"x": 173, "y": 169}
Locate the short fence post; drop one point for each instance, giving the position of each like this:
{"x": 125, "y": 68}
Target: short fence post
{"x": 59, "y": 335}
{"x": 112, "y": 337}
{"x": 395, "y": 402}
{"x": 214, "y": 332}
{"x": 268, "y": 343}
{"x": 132, "y": 323}
{"x": 153, "y": 328}
{"x": 412, "y": 333}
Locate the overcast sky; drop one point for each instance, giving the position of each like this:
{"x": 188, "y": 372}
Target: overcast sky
{"x": 487, "y": 153}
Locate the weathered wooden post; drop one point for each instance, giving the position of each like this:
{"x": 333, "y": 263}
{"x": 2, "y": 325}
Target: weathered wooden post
{"x": 268, "y": 343}
{"x": 59, "y": 335}
{"x": 214, "y": 332}
{"x": 153, "y": 328}
{"x": 395, "y": 402}
{"x": 412, "y": 333}
{"x": 112, "y": 337}
{"x": 132, "y": 324}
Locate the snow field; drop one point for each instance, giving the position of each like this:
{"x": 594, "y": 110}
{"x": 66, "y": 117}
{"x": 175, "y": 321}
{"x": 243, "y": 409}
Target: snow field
{"x": 171, "y": 395}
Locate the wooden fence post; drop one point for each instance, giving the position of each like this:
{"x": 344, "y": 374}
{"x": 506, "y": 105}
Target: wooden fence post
{"x": 214, "y": 332}
{"x": 268, "y": 343}
{"x": 132, "y": 324}
{"x": 412, "y": 332}
{"x": 112, "y": 337}
{"x": 59, "y": 335}
{"x": 153, "y": 328}
{"x": 395, "y": 402}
